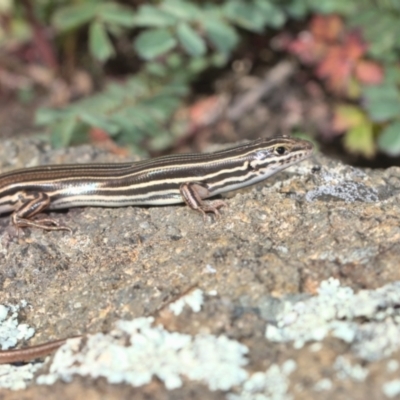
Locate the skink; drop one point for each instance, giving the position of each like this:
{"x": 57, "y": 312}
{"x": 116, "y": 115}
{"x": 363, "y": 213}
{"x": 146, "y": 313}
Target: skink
{"x": 188, "y": 178}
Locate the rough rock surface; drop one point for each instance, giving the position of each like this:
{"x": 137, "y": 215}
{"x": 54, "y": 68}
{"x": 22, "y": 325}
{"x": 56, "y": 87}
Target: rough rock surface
{"x": 276, "y": 242}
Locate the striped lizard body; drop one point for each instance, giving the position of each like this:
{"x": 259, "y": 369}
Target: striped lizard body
{"x": 172, "y": 179}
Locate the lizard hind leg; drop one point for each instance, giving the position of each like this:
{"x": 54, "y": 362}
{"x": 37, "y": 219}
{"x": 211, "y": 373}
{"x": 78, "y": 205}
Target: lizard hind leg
{"x": 33, "y": 204}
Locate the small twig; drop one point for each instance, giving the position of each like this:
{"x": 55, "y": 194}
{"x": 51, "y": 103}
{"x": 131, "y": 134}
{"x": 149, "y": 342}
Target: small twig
{"x": 32, "y": 352}
{"x": 275, "y": 77}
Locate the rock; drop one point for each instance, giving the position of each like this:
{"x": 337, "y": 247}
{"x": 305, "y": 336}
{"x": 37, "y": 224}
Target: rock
{"x": 274, "y": 246}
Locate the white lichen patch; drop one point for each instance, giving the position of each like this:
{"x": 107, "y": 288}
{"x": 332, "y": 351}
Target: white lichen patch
{"x": 272, "y": 384}
{"x": 136, "y": 351}
{"x": 345, "y": 370}
{"x": 17, "y": 378}
{"x": 10, "y": 330}
{"x": 392, "y": 388}
{"x": 322, "y": 385}
{"x": 194, "y": 300}
{"x": 392, "y": 366}
{"x": 369, "y": 320}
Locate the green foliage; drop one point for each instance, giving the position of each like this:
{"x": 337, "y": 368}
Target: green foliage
{"x": 382, "y": 103}
{"x": 169, "y": 25}
{"x": 175, "y": 25}
{"x": 389, "y": 140}
{"x": 138, "y": 110}
{"x": 182, "y": 38}
{"x": 381, "y": 29}
{"x": 380, "y": 26}
{"x": 154, "y": 43}
{"x": 174, "y": 38}
{"x": 99, "y": 42}
{"x": 190, "y": 40}
{"x": 379, "y": 101}
{"x": 254, "y": 15}
{"x": 360, "y": 138}
{"x": 102, "y": 18}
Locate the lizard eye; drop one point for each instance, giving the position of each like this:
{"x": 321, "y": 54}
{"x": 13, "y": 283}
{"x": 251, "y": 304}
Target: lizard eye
{"x": 280, "y": 150}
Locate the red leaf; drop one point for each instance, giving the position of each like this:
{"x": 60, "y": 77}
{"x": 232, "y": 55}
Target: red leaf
{"x": 98, "y": 135}
{"x": 354, "y": 46}
{"x": 307, "y": 48}
{"x": 369, "y": 72}
{"x": 326, "y": 27}
{"x": 102, "y": 139}
{"x": 335, "y": 68}
{"x": 205, "y": 111}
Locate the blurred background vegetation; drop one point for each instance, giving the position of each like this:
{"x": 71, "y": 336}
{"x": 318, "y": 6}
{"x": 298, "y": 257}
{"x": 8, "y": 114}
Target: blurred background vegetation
{"x": 169, "y": 75}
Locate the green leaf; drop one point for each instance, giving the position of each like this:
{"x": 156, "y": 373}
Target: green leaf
{"x": 360, "y": 140}
{"x": 150, "y": 16}
{"x": 380, "y": 29}
{"x": 190, "y": 40}
{"x": 72, "y": 17}
{"x": 154, "y": 42}
{"x": 381, "y": 112}
{"x": 138, "y": 109}
{"x": 156, "y": 68}
{"x": 382, "y": 102}
{"x": 389, "y": 139}
{"x": 99, "y": 122}
{"x": 218, "y": 60}
{"x": 63, "y": 132}
{"x": 221, "y": 35}
{"x": 245, "y": 15}
{"x": 333, "y": 6}
{"x": 197, "y": 65}
{"x": 174, "y": 60}
{"x": 297, "y": 10}
{"x": 114, "y": 13}
{"x": 46, "y": 116}
{"x": 363, "y": 18}
{"x": 392, "y": 74}
{"x": 99, "y": 43}
{"x": 273, "y": 15}
{"x": 385, "y": 92}
{"x": 184, "y": 10}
